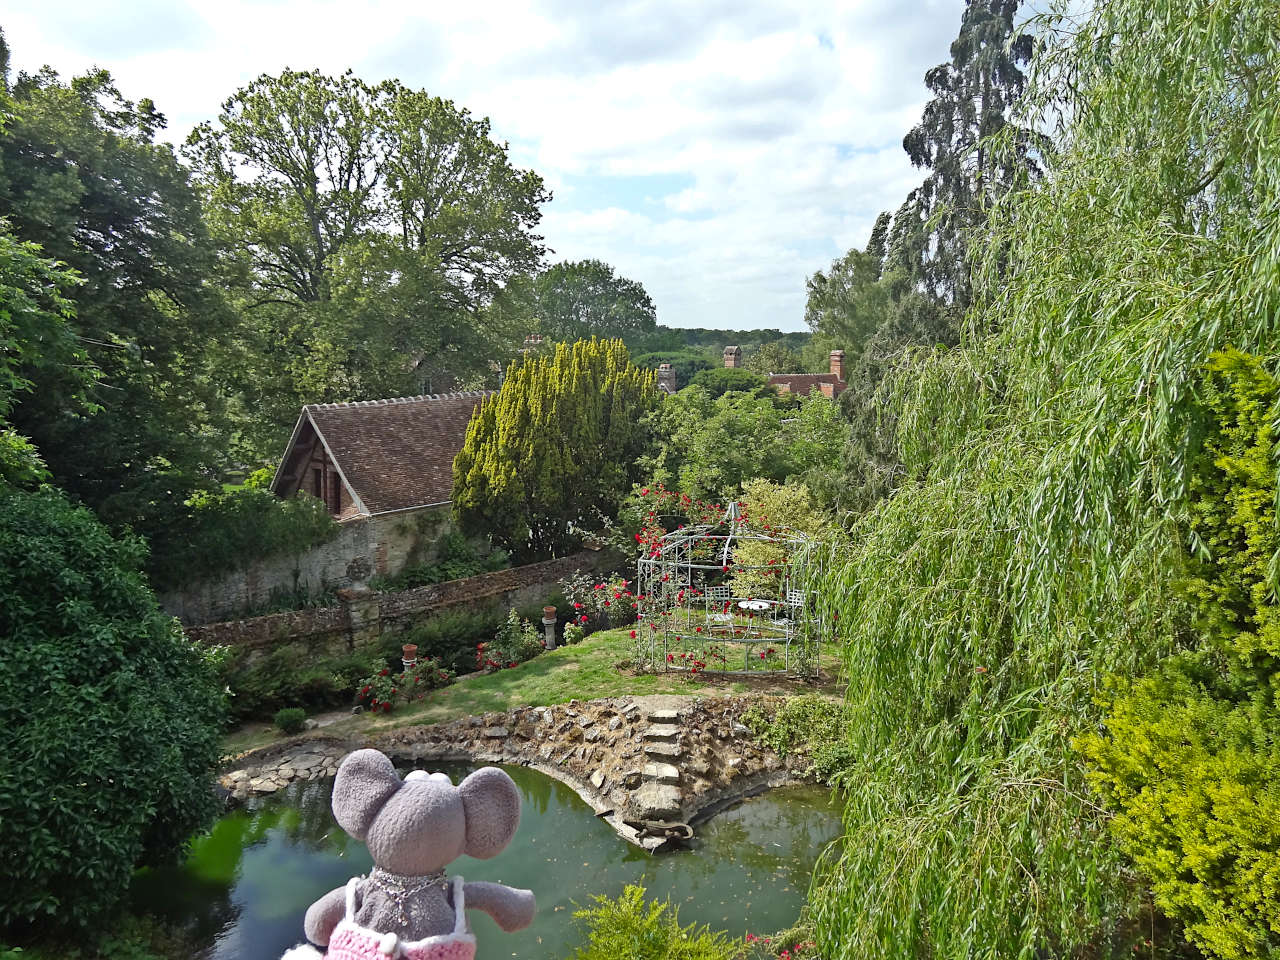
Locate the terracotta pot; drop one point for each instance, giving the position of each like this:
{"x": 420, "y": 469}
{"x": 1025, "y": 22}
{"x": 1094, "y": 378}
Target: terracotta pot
{"x": 410, "y": 651}
{"x": 548, "y": 612}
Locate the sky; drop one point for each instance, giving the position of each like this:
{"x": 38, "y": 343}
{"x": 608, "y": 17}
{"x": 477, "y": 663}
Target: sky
{"x": 717, "y": 151}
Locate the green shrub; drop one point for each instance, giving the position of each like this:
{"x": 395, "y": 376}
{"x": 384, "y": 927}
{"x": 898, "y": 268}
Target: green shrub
{"x": 382, "y": 690}
{"x": 457, "y": 559}
{"x": 1190, "y": 757}
{"x": 290, "y": 720}
{"x": 289, "y": 676}
{"x": 111, "y": 717}
{"x": 227, "y": 530}
{"x": 809, "y": 726}
{"x": 631, "y": 928}
{"x": 721, "y": 380}
{"x": 516, "y": 641}
{"x": 451, "y": 636}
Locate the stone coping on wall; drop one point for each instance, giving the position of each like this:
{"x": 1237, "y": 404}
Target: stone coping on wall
{"x": 653, "y": 767}
{"x": 363, "y": 610}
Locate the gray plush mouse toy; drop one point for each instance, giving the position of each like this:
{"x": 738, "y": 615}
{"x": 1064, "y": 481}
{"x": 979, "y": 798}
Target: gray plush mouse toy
{"x": 414, "y": 828}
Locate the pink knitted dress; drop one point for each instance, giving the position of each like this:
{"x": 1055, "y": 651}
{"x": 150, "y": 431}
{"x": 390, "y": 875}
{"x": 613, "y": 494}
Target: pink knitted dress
{"x": 350, "y": 941}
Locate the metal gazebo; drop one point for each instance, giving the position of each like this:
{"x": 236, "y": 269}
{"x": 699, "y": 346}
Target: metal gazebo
{"x": 729, "y": 597}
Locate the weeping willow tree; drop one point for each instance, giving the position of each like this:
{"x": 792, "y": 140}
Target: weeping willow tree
{"x": 1034, "y": 551}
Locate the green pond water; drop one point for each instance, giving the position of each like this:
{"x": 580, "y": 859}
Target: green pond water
{"x": 244, "y": 889}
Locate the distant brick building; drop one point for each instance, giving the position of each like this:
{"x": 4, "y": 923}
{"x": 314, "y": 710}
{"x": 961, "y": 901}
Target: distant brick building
{"x": 828, "y": 384}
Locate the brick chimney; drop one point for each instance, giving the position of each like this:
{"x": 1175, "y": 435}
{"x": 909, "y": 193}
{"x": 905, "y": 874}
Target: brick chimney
{"x": 532, "y": 342}
{"x": 733, "y": 357}
{"x": 666, "y": 378}
{"x": 837, "y": 364}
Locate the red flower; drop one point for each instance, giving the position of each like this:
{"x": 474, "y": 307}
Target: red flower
{"x": 582, "y": 619}
{"x": 644, "y": 492}
{"x": 365, "y": 691}
{"x": 383, "y": 672}
{"x": 633, "y": 634}
{"x": 670, "y": 658}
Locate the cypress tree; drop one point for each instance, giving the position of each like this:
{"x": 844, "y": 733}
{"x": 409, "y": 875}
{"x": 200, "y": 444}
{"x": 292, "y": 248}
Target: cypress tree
{"x": 552, "y": 453}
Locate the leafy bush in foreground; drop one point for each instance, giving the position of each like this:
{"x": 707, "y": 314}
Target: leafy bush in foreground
{"x": 111, "y": 717}
{"x": 631, "y": 928}
{"x": 1190, "y": 759}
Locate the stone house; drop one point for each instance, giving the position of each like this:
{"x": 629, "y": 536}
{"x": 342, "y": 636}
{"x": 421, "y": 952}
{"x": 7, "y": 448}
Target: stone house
{"x": 377, "y": 457}
{"x": 384, "y": 469}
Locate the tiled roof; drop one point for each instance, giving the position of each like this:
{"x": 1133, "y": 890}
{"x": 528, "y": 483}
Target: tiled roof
{"x": 805, "y": 382}
{"x": 397, "y": 454}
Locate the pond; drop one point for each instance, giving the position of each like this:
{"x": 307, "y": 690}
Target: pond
{"x": 244, "y": 889}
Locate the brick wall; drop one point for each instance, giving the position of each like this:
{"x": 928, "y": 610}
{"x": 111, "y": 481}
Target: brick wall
{"x": 383, "y": 544}
{"x": 362, "y": 615}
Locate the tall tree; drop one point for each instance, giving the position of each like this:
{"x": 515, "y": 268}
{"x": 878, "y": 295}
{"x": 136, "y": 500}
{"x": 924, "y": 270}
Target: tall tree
{"x": 365, "y": 231}
{"x": 585, "y": 298}
{"x": 82, "y": 175}
{"x": 553, "y": 452}
{"x": 972, "y": 97}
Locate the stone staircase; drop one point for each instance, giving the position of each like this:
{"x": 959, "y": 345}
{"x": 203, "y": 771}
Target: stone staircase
{"x": 659, "y": 799}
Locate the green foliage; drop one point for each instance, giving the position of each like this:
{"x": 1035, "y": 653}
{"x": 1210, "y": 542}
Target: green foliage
{"x": 290, "y": 720}
{"x": 708, "y": 447}
{"x": 382, "y": 690}
{"x": 516, "y": 641}
{"x": 774, "y": 358}
{"x": 229, "y": 530}
{"x": 785, "y": 510}
{"x": 635, "y": 929}
{"x": 809, "y": 726}
{"x": 360, "y": 227}
{"x": 36, "y": 318}
{"x": 457, "y": 559}
{"x": 1033, "y": 546}
{"x": 450, "y": 635}
{"x": 83, "y": 175}
{"x": 553, "y": 452}
{"x": 1189, "y": 761}
{"x": 289, "y": 676}
{"x": 721, "y": 380}
{"x": 685, "y": 363}
{"x": 580, "y": 299}
{"x": 112, "y": 717}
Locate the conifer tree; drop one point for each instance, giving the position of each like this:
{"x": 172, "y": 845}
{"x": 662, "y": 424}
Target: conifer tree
{"x": 553, "y": 452}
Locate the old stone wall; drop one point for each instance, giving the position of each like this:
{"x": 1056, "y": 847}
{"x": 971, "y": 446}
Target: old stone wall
{"x": 362, "y": 615}
{"x": 364, "y": 546}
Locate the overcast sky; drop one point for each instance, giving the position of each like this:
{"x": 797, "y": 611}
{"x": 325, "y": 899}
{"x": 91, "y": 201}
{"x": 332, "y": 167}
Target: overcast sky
{"x": 718, "y": 151}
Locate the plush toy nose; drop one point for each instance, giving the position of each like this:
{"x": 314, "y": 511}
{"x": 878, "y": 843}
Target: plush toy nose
{"x": 423, "y": 775}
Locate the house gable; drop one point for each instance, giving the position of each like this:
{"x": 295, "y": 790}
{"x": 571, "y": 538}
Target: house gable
{"x": 383, "y": 455}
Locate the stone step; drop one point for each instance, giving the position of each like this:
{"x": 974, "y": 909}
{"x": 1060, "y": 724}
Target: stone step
{"x": 663, "y": 751}
{"x": 657, "y": 801}
{"x": 662, "y": 772}
{"x": 661, "y": 731}
{"x": 664, "y": 716}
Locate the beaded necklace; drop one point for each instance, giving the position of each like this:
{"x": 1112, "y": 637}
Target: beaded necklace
{"x": 401, "y": 890}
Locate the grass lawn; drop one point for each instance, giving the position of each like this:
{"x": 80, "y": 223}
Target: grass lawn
{"x": 584, "y": 671}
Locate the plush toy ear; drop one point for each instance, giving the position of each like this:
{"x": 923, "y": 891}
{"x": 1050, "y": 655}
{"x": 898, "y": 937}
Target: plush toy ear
{"x": 492, "y": 804}
{"x": 366, "y": 780}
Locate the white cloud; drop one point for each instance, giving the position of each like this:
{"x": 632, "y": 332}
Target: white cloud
{"x": 780, "y": 125}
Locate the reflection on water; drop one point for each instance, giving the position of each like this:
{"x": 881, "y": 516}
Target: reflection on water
{"x": 248, "y": 882}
